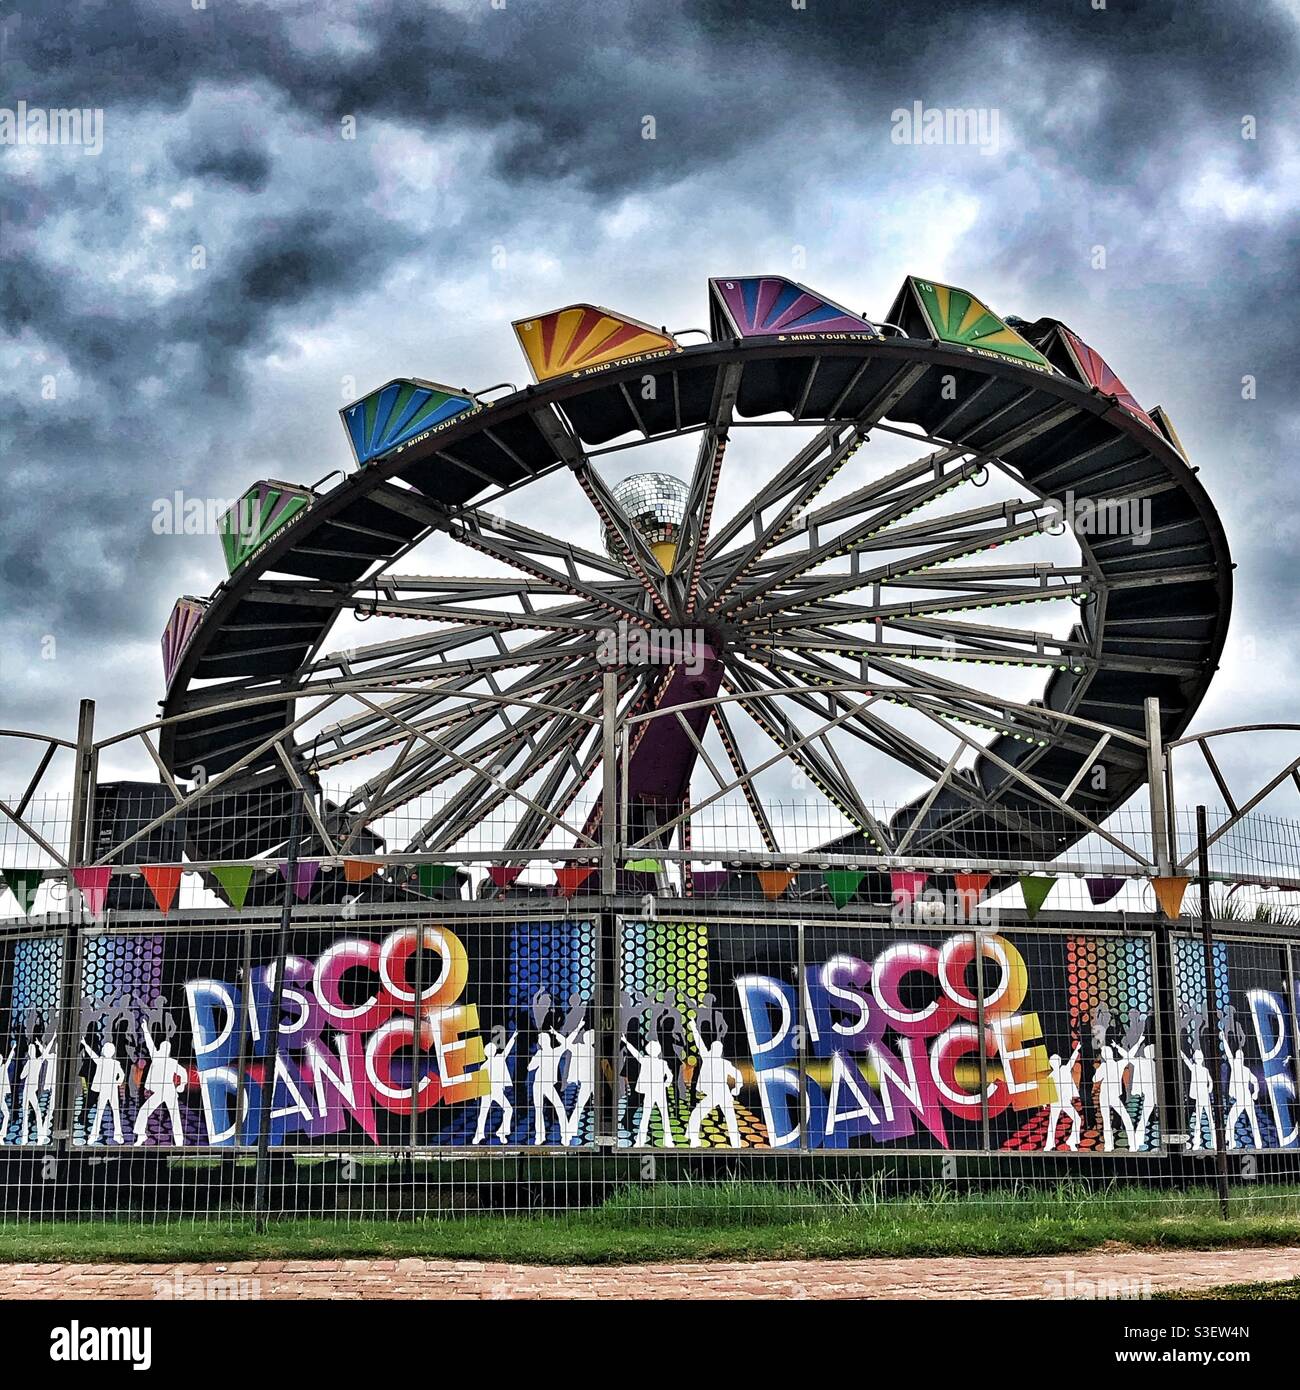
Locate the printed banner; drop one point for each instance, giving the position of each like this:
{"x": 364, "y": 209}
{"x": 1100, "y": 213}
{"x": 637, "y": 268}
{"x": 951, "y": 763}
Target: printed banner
{"x": 1239, "y": 1045}
{"x": 481, "y": 1033}
{"x": 711, "y": 1017}
{"x": 476, "y": 1034}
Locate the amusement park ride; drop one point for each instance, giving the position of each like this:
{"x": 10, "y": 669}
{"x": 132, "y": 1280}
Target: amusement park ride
{"x": 883, "y": 613}
{"x": 890, "y": 593}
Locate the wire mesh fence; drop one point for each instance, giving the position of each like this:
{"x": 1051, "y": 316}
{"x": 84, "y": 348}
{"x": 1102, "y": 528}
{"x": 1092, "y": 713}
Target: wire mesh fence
{"x": 389, "y": 1026}
{"x": 457, "y": 1060}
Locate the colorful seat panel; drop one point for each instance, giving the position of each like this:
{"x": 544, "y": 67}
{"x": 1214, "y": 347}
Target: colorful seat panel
{"x": 750, "y": 306}
{"x": 181, "y": 627}
{"x": 1093, "y": 370}
{"x": 397, "y": 412}
{"x": 583, "y": 336}
{"x": 951, "y": 315}
{"x": 263, "y": 511}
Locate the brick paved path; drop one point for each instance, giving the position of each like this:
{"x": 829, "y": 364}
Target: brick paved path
{"x": 1085, "y": 1275}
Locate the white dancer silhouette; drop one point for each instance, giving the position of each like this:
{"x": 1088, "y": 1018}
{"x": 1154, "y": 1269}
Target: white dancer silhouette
{"x": 496, "y": 1062}
{"x": 1110, "y": 1076}
{"x": 163, "y": 1082}
{"x": 1067, "y": 1092}
{"x": 33, "y": 1079}
{"x": 6, "y": 1087}
{"x": 104, "y": 1086}
{"x": 1142, "y": 1082}
{"x": 1243, "y": 1089}
{"x": 582, "y": 1073}
{"x": 545, "y": 1067}
{"x": 718, "y": 1083}
{"x": 652, "y": 1084}
{"x": 1200, "y": 1089}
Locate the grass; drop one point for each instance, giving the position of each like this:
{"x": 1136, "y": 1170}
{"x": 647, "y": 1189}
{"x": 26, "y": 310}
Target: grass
{"x": 705, "y": 1221}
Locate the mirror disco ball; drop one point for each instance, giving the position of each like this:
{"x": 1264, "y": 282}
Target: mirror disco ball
{"x": 655, "y": 503}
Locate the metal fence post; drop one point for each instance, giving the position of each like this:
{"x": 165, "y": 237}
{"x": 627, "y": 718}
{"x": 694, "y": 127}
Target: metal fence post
{"x": 609, "y": 826}
{"x": 608, "y": 930}
{"x": 982, "y": 1024}
{"x": 801, "y": 994}
{"x": 1211, "y": 1004}
{"x": 266, "y": 1099}
{"x": 417, "y": 1023}
{"x": 63, "y": 1100}
{"x": 83, "y": 789}
{"x": 1156, "y": 790}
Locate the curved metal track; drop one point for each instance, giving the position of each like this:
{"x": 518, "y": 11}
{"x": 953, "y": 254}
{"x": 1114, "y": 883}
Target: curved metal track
{"x": 1153, "y": 622}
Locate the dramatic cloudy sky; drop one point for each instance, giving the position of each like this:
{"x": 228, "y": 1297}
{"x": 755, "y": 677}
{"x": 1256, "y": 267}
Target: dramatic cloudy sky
{"x": 499, "y": 169}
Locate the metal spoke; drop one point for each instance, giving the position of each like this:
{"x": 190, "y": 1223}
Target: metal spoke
{"x": 867, "y": 726}
{"x": 704, "y": 486}
{"x": 738, "y": 766}
{"x": 469, "y": 766}
{"x": 441, "y": 761}
{"x": 637, "y": 555}
{"x": 830, "y": 780}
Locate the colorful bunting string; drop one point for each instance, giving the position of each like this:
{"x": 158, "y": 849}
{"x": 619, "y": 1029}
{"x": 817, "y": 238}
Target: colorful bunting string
{"x": 23, "y": 883}
{"x": 1034, "y": 889}
{"x": 706, "y": 883}
{"x": 571, "y": 878}
{"x": 644, "y": 866}
{"x": 305, "y": 871}
{"x": 164, "y": 882}
{"x": 1102, "y": 890}
{"x": 503, "y": 875}
{"x": 1169, "y": 894}
{"x": 970, "y": 889}
{"x": 93, "y": 883}
{"x": 434, "y": 876}
{"x": 905, "y": 886}
{"x": 358, "y": 870}
{"x": 843, "y": 883}
{"x": 234, "y": 880}
{"x": 774, "y": 882}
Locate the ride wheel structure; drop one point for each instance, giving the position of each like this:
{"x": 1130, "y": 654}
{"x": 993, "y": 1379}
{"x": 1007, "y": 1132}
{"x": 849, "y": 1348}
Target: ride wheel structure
{"x": 852, "y": 532}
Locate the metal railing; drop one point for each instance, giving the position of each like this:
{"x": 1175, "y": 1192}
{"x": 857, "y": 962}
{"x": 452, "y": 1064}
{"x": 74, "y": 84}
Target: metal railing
{"x": 493, "y": 1026}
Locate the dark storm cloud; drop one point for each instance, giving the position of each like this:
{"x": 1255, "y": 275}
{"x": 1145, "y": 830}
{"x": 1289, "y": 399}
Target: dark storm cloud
{"x": 247, "y": 167}
{"x": 222, "y": 131}
{"x": 566, "y": 81}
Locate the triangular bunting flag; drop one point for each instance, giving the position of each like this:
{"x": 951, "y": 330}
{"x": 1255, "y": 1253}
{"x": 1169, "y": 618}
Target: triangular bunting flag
{"x": 905, "y": 885}
{"x": 358, "y": 870}
{"x": 571, "y": 879}
{"x": 970, "y": 889}
{"x": 1035, "y": 888}
{"x": 23, "y": 883}
{"x": 503, "y": 875}
{"x": 93, "y": 883}
{"x": 843, "y": 883}
{"x": 1169, "y": 894}
{"x": 233, "y": 880}
{"x": 705, "y": 883}
{"x": 304, "y": 875}
{"x": 164, "y": 882}
{"x": 644, "y": 866}
{"x": 433, "y": 876}
{"x": 774, "y": 882}
{"x": 1102, "y": 890}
